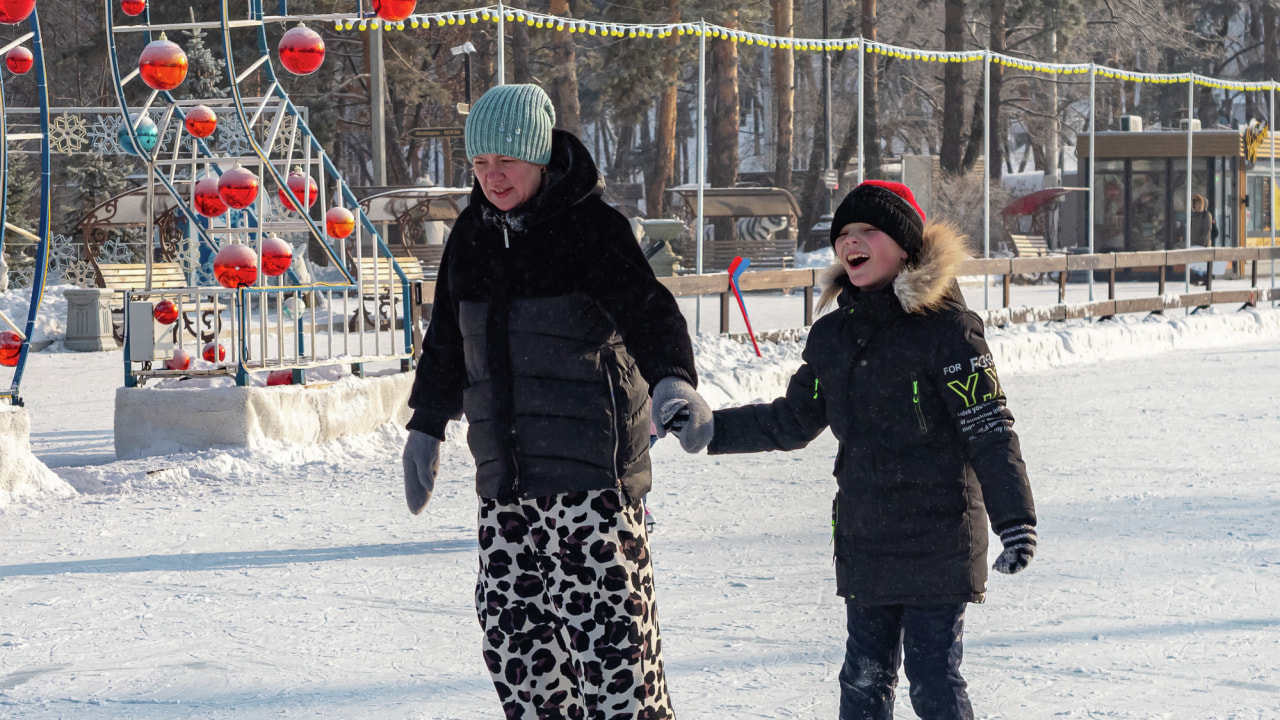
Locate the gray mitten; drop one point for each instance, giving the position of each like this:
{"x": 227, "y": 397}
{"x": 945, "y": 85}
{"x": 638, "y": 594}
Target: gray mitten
{"x": 678, "y": 408}
{"x": 1019, "y": 547}
{"x": 421, "y": 461}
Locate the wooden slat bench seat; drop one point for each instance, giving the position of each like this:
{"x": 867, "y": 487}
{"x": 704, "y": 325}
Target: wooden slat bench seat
{"x": 133, "y": 276}
{"x": 382, "y": 286}
{"x": 1030, "y": 245}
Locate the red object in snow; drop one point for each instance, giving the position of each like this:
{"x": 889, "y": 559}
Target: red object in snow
{"x": 394, "y": 10}
{"x": 133, "y": 8}
{"x": 238, "y": 187}
{"x": 165, "y": 312}
{"x": 301, "y": 50}
{"x": 206, "y": 198}
{"x": 213, "y": 352}
{"x": 10, "y": 348}
{"x": 181, "y": 360}
{"x": 339, "y": 222}
{"x": 19, "y": 60}
{"x": 13, "y": 12}
{"x": 280, "y": 377}
{"x": 303, "y": 187}
{"x": 162, "y": 65}
{"x": 201, "y": 121}
{"x": 235, "y": 266}
{"x": 277, "y": 255}
{"x": 1031, "y": 202}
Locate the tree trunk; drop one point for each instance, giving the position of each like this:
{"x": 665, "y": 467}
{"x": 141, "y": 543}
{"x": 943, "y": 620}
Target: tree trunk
{"x": 950, "y": 154}
{"x": 784, "y": 92}
{"x": 664, "y": 154}
{"x": 871, "y": 95}
{"x": 722, "y": 151}
{"x": 564, "y": 75}
{"x": 518, "y": 49}
{"x": 997, "y": 45}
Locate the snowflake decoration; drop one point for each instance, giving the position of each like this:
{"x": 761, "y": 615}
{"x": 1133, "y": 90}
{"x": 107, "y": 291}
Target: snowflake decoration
{"x": 102, "y": 135}
{"x": 116, "y": 250}
{"x": 21, "y": 277}
{"x": 232, "y": 141}
{"x": 79, "y": 273}
{"x": 68, "y": 134}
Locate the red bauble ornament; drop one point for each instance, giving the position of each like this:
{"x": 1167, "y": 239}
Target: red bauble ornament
{"x": 19, "y": 60}
{"x": 277, "y": 255}
{"x": 13, "y": 12}
{"x": 162, "y": 65}
{"x": 165, "y": 312}
{"x": 303, "y": 187}
{"x": 206, "y": 198}
{"x": 280, "y": 377}
{"x": 213, "y": 352}
{"x": 133, "y": 8}
{"x": 181, "y": 360}
{"x": 301, "y": 50}
{"x": 201, "y": 121}
{"x": 339, "y": 222}
{"x": 394, "y": 10}
{"x": 10, "y": 348}
{"x": 238, "y": 187}
{"x": 235, "y": 266}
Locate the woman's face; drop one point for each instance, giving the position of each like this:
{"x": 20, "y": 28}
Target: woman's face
{"x": 870, "y": 258}
{"x": 1197, "y": 205}
{"x": 507, "y": 182}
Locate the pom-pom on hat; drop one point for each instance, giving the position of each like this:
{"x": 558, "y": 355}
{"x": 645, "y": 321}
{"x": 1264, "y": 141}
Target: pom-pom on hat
{"x": 512, "y": 120}
{"x": 889, "y": 207}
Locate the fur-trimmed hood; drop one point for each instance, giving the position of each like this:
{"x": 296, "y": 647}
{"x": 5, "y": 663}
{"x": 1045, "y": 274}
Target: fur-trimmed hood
{"x": 920, "y": 287}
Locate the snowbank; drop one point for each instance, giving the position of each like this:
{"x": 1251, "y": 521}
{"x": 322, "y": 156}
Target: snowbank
{"x": 155, "y": 421}
{"x": 22, "y": 476}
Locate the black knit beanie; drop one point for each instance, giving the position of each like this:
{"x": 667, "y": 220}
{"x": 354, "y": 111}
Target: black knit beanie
{"x": 889, "y": 207}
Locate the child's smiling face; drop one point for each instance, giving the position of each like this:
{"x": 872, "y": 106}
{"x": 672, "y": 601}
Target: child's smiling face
{"x": 870, "y": 258}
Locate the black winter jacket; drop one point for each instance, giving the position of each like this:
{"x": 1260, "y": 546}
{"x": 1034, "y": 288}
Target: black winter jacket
{"x": 904, "y": 378}
{"x": 548, "y": 327}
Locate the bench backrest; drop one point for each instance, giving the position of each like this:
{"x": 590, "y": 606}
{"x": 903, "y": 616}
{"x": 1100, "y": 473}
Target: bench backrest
{"x": 1030, "y": 245}
{"x": 386, "y": 274}
{"x": 133, "y": 276}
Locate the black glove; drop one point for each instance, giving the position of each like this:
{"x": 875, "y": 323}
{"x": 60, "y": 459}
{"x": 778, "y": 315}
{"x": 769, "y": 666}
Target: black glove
{"x": 678, "y": 408}
{"x": 1019, "y": 547}
{"x": 421, "y": 460}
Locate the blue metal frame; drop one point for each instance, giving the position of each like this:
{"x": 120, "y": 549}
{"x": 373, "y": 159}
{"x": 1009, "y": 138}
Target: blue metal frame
{"x": 42, "y": 247}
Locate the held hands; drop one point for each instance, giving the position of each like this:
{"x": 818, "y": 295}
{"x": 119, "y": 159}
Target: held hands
{"x": 678, "y": 408}
{"x": 1019, "y": 547}
{"x": 421, "y": 461}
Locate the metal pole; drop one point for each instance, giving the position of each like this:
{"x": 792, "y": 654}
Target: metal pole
{"x": 1191, "y": 101}
{"x": 501, "y": 75}
{"x": 862, "y": 53}
{"x": 1271, "y": 112}
{"x": 377, "y": 110}
{"x": 701, "y": 158}
{"x": 986, "y": 172}
{"x": 1093, "y": 161}
{"x": 826, "y": 103}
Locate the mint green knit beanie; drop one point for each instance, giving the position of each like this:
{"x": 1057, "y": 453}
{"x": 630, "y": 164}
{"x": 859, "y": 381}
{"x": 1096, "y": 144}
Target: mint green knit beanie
{"x": 512, "y": 120}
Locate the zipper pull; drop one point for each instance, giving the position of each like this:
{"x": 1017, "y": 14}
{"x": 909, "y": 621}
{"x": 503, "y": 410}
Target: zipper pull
{"x": 506, "y": 241}
{"x": 815, "y": 388}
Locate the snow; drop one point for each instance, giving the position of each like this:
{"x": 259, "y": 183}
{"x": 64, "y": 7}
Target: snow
{"x": 289, "y": 581}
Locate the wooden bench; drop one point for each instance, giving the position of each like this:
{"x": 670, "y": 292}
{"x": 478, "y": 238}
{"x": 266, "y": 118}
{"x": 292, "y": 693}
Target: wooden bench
{"x": 122, "y": 277}
{"x": 1030, "y": 245}
{"x": 428, "y": 256}
{"x": 382, "y": 285}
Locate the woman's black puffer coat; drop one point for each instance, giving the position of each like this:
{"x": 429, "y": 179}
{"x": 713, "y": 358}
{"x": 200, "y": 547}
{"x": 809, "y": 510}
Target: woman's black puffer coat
{"x": 548, "y": 327}
{"x": 904, "y": 378}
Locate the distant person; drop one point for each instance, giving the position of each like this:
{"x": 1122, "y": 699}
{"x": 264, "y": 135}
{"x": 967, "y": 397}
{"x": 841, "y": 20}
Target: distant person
{"x": 548, "y": 331}
{"x": 902, "y": 375}
{"x": 1204, "y": 231}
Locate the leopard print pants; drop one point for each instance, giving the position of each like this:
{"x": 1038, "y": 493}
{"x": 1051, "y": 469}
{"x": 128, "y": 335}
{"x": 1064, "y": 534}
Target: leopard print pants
{"x": 565, "y": 597}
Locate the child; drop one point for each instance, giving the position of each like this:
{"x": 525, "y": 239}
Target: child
{"x": 903, "y": 376}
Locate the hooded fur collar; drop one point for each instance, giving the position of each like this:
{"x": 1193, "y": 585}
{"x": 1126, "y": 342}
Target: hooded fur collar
{"x": 571, "y": 177}
{"x": 920, "y": 287}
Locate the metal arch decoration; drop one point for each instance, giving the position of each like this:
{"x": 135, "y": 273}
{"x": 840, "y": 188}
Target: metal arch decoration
{"x": 39, "y": 270}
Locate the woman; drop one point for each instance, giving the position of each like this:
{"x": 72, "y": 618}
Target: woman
{"x": 548, "y": 330}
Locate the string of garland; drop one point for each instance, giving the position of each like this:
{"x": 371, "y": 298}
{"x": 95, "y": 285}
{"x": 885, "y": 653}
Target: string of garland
{"x": 698, "y": 29}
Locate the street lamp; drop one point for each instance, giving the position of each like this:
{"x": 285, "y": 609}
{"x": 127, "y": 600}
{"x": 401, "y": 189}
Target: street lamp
{"x": 466, "y": 49}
